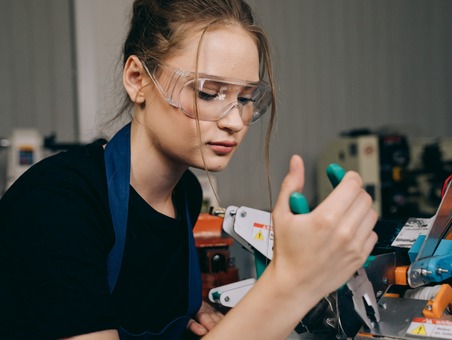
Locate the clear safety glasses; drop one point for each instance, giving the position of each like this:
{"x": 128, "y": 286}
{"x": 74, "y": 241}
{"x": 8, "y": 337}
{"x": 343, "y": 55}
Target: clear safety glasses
{"x": 215, "y": 96}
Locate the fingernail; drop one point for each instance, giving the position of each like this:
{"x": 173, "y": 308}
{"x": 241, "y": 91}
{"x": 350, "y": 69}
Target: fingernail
{"x": 202, "y": 329}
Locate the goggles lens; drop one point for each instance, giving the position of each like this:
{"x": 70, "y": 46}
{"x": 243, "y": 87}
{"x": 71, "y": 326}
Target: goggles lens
{"x": 215, "y": 96}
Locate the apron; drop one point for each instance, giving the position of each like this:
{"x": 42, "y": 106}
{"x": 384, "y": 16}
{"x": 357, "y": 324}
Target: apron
{"x": 117, "y": 162}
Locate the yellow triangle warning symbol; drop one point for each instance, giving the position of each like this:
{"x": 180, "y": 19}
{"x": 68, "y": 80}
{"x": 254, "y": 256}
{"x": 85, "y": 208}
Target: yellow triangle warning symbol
{"x": 419, "y": 330}
{"x": 259, "y": 236}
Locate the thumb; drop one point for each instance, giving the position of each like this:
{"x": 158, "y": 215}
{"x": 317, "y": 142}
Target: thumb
{"x": 293, "y": 181}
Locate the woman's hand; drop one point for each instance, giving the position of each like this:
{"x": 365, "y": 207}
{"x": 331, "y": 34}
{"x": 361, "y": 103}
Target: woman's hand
{"x": 314, "y": 254}
{"x": 206, "y": 319}
{"x": 324, "y": 248}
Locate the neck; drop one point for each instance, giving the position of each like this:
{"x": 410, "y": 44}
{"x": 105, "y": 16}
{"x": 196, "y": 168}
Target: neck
{"x": 152, "y": 174}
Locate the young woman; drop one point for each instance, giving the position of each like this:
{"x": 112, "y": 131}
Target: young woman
{"x": 96, "y": 243}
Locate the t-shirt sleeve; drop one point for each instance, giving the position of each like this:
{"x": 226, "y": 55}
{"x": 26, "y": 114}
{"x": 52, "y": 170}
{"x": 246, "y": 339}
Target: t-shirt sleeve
{"x": 58, "y": 238}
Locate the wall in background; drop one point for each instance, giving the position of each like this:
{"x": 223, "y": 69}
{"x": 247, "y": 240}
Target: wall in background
{"x": 342, "y": 65}
{"x": 37, "y": 68}
{"x": 339, "y": 66}
{"x": 100, "y": 27}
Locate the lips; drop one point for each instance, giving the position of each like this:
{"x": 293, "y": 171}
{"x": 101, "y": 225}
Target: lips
{"x": 222, "y": 147}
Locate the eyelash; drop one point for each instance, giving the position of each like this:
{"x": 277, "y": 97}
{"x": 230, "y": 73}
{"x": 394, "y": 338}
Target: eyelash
{"x": 245, "y": 100}
{"x": 209, "y": 97}
{"x": 206, "y": 96}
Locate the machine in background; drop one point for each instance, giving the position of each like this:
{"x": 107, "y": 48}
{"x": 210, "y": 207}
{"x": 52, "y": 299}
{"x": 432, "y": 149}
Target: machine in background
{"x": 403, "y": 175}
{"x": 25, "y": 147}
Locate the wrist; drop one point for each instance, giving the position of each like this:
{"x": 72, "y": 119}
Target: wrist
{"x": 271, "y": 309}
{"x": 297, "y": 293}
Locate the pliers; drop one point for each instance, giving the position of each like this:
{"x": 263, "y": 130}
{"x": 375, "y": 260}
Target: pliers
{"x": 364, "y": 299}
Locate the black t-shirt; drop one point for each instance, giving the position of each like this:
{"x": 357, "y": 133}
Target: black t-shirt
{"x": 55, "y": 235}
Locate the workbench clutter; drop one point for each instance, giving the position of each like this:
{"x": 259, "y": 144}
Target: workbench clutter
{"x": 401, "y": 292}
{"x": 410, "y": 272}
{"x": 417, "y": 302}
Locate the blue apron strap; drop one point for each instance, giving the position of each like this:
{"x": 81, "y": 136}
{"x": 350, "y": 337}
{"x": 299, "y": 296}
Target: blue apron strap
{"x": 117, "y": 164}
{"x": 194, "y": 272}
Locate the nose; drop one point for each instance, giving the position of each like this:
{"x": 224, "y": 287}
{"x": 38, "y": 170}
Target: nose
{"x": 232, "y": 118}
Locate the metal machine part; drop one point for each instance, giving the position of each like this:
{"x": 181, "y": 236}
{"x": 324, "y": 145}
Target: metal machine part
{"x": 229, "y": 295}
{"x": 396, "y": 316}
{"x": 427, "y": 267}
{"x": 381, "y": 274}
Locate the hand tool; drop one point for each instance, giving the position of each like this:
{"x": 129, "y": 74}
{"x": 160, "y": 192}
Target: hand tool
{"x": 363, "y": 294}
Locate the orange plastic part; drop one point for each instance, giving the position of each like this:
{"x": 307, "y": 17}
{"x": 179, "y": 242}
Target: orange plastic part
{"x": 401, "y": 275}
{"x": 208, "y": 226}
{"x": 436, "y": 307}
{"x": 392, "y": 295}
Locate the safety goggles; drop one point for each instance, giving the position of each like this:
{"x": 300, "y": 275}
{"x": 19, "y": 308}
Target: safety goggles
{"x": 213, "y": 97}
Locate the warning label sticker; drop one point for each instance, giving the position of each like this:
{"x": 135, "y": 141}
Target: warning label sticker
{"x": 259, "y": 236}
{"x": 260, "y": 231}
{"x": 431, "y": 328}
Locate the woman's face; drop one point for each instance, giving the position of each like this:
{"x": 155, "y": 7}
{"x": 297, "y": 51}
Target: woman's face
{"x": 225, "y": 52}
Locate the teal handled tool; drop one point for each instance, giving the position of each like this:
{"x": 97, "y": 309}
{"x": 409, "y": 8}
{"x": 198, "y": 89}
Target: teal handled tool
{"x": 298, "y": 203}
{"x": 335, "y": 174}
{"x": 260, "y": 263}
{"x": 364, "y": 298}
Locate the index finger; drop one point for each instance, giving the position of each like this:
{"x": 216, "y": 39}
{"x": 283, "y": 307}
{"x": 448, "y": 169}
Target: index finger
{"x": 343, "y": 196}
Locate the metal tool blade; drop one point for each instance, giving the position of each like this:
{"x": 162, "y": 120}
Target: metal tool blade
{"x": 381, "y": 274}
{"x": 364, "y": 297}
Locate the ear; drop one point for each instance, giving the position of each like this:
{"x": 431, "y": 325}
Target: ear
{"x": 134, "y": 79}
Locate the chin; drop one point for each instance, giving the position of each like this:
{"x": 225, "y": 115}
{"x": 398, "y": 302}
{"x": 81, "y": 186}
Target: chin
{"x": 218, "y": 169}
{"x": 213, "y": 165}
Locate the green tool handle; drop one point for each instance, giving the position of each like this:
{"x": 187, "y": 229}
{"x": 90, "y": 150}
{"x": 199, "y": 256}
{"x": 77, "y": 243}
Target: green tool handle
{"x": 335, "y": 174}
{"x": 260, "y": 262}
{"x": 298, "y": 203}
